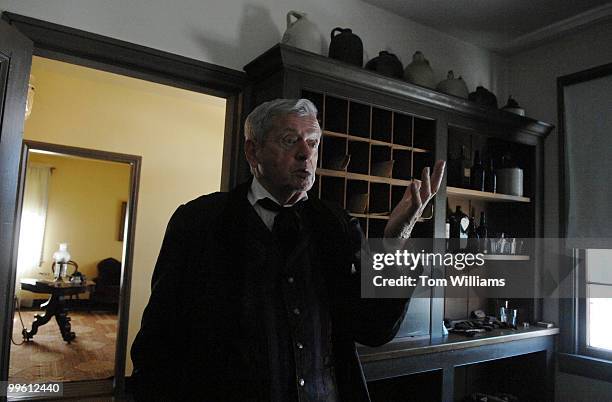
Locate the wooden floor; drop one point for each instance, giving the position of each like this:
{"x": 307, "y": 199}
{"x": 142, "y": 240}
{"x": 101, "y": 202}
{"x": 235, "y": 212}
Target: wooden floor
{"x": 48, "y": 358}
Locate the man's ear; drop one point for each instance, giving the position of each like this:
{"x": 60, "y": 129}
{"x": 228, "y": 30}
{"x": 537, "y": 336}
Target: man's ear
{"x": 250, "y": 152}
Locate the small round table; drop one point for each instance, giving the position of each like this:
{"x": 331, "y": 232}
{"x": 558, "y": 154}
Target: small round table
{"x": 56, "y": 305}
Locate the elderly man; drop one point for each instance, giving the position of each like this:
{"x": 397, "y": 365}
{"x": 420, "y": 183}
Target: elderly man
{"x": 255, "y": 295}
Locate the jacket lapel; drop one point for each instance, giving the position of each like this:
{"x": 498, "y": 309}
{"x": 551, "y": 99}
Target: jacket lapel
{"x": 247, "y": 232}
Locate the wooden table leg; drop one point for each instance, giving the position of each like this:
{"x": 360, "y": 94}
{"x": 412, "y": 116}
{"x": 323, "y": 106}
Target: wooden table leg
{"x": 55, "y": 306}
{"x": 63, "y": 321}
{"x": 40, "y": 320}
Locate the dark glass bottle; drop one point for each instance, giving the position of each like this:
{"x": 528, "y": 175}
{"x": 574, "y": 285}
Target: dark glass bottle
{"x": 459, "y": 225}
{"x": 473, "y": 244}
{"x": 490, "y": 178}
{"x": 483, "y": 233}
{"x": 447, "y": 226}
{"x": 477, "y": 173}
{"x": 466, "y": 172}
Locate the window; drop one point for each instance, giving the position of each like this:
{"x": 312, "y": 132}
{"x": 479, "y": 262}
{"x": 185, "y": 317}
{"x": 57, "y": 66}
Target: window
{"x": 596, "y": 325}
{"x": 33, "y": 219}
{"x": 585, "y": 125}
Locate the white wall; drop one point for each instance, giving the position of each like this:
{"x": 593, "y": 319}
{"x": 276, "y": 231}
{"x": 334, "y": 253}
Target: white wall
{"x": 533, "y": 82}
{"x": 233, "y": 32}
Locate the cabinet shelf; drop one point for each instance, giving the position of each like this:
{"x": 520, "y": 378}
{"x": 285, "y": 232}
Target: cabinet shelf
{"x": 506, "y": 257}
{"x": 359, "y": 176}
{"x": 466, "y": 193}
{"x": 381, "y": 217}
{"x": 374, "y": 142}
{"x": 370, "y": 216}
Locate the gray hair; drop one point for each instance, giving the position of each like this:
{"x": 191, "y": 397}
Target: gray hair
{"x": 259, "y": 122}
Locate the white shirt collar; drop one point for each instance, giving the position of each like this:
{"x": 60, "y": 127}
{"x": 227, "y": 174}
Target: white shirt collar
{"x": 258, "y": 192}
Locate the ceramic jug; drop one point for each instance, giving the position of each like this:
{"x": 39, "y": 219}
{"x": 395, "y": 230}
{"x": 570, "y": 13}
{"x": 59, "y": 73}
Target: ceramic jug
{"x": 386, "y": 64}
{"x": 510, "y": 181}
{"x": 513, "y": 107}
{"x": 419, "y": 72}
{"x": 483, "y": 96}
{"x": 302, "y": 33}
{"x": 346, "y": 46}
{"x": 453, "y": 86}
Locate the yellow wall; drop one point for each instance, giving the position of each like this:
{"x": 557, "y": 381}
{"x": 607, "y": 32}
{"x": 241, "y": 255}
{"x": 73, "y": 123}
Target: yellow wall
{"x": 84, "y": 210}
{"x": 178, "y": 133}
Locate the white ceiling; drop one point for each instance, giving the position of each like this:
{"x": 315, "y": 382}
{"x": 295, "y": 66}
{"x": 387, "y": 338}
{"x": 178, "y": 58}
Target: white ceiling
{"x": 500, "y": 25}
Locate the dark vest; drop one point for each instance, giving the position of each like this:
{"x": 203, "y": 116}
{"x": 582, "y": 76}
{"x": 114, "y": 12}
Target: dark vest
{"x": 298, "y": 327}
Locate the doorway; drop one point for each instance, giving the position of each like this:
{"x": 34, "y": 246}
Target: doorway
{"x": 78, "y": 208}
{"x": 167, "y": 178}
{"x": 178, "y": 136}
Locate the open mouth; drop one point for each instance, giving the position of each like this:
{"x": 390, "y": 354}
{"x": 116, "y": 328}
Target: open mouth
{"x": 303, "y": 173}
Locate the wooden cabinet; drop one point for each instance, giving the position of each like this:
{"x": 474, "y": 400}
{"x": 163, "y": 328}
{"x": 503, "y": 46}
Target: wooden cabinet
{"x": 374, "y": 120}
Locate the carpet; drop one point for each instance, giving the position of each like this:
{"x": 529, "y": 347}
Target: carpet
{"x": 47, "y": 357}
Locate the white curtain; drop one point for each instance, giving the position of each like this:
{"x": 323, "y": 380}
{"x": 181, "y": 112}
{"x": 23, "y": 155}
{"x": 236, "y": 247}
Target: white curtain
{"x": 588, "y": 126}
{"x": 33, "y": 218}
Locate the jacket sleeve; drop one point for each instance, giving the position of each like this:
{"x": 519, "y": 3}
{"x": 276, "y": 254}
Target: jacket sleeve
{"x": 374, "y": 321}
{"x": 156, "y": 352}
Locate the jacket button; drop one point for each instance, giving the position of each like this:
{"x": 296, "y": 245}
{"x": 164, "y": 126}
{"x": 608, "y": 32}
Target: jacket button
{"x": 296, "y": 311}
{"x": 301, "y": 382}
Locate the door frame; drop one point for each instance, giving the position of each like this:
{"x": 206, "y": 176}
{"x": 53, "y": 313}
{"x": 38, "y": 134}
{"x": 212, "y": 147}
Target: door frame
{"x": 83, "y": 48}
{"x": 82, "y": 387}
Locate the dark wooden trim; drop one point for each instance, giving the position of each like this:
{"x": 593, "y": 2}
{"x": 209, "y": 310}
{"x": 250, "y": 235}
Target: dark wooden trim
{"x": 437, "y": 296}
{"x": 586, "y": 75}
{"x": 231, "y": 173}
{"x": 585, "y": 366}
{"x": 580, "y": 318}
{"x": 16, "y": 53}
{"x": 54, "y": 40}
{"x": 135, "y": 162}
{"x": 563, "y": 201}
{"x": 287, "y": 57}
{"x": 569, "y": 306}
{"x": 83, "y": 152}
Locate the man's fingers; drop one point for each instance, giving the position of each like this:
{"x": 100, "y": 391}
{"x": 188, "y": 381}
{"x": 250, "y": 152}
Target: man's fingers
{"x": 436, "y": 177}
{"x": 425, "y": 184}
{"x": 416, "y": 197}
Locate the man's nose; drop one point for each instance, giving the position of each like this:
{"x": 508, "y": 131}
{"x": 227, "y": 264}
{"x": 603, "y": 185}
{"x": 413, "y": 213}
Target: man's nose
{"x": 304, "y": 151}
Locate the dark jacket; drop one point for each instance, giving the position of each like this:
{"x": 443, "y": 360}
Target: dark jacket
{"x": 201, "y": 322}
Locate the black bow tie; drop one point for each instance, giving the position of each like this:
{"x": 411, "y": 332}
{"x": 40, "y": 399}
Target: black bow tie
{"x": 270, "y": 205}
{"x": 287, "y": 226}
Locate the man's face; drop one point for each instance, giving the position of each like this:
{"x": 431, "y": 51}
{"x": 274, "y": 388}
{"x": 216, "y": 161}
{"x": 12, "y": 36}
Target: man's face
{"x": 287, "y": 159}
